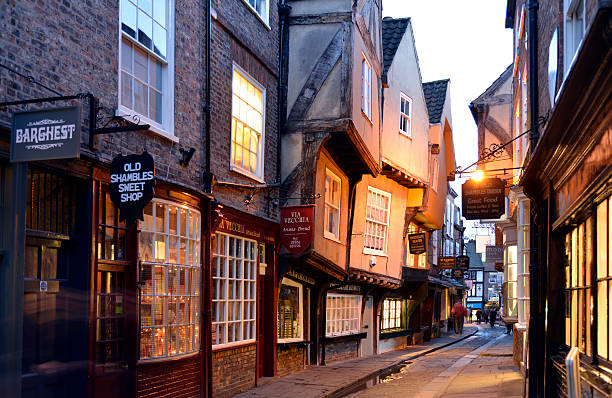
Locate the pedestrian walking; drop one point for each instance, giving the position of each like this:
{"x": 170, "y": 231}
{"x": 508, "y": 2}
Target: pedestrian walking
{"x": 486, "y": 315}
{"x": 479, "y": 316}
{"x": 470, "y": 314}
{"x": 492, "y": 317}
{"x": 459, "y": 312}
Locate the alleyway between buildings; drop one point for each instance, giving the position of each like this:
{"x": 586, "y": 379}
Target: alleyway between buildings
{"x": 477, "y": 364}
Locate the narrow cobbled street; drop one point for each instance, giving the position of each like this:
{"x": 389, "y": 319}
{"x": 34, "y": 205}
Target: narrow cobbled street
{"x": 479, "y": 366}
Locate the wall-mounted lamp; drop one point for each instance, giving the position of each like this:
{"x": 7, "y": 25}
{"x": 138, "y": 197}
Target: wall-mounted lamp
{"x": 186, "y": 155}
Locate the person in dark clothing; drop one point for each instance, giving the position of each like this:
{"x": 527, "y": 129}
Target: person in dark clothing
{"x": 479, "y": 316}
{"x": 492, "y": 316}
{"x": 486, "y": 315}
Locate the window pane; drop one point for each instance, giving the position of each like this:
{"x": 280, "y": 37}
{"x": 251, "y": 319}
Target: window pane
{"x": 126, "y": 90}
{"x": 140, "y": 98}
{"x": 128, "y": 18}
{"x": 602, "y": 245}
{"x": 159, "y": 12}
{"x": 159, "y": 40}
{"x": 145, "y": 29}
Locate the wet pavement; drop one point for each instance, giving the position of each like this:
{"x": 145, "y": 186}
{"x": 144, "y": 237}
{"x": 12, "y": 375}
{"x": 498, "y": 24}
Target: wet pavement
{"x": 473, "y": 365}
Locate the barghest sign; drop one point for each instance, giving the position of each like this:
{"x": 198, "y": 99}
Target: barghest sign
{"x": 132, "y": 182}
{"x": 46, "y": 134}
{"x": 483, "y": 199}
{"x": 296, "y": 227}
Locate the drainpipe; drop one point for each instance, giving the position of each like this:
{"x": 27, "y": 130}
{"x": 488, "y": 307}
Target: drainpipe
{"x": 207, "y": 177}
{"x": 283, "y": 13}
{"x": 536, "y": 355}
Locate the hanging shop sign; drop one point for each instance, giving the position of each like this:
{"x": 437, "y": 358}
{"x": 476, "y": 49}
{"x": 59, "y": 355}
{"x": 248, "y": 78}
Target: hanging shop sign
{"x": 499, "y": 267}
{"x": 457, "y": 273}
{"x": 46, "y": 134}
{"x": 132, "y": 182}
{"x": 446, "y": 262}
{"x": 483, "y": 199}
{"x": 416, "y": 243}
{"x": 463, "y": 262}
{"x": 494, "y": 253}
{"x": 296, "y": 227}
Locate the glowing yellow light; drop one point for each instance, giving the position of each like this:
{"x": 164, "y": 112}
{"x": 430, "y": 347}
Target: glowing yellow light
{"x": 478, "y": 175}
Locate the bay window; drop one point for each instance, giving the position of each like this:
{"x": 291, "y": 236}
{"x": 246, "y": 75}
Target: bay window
{"x": 234, "y": 289}
{"x": 169, "y": 275}
{"x": 343, "y": 314}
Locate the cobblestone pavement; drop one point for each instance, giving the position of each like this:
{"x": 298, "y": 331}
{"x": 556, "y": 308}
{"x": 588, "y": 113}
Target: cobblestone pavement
{"x": 478, "y": 367}
{"x": 327, "y": 381}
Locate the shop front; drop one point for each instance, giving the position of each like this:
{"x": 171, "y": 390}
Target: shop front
{"x": 243, "y": 303}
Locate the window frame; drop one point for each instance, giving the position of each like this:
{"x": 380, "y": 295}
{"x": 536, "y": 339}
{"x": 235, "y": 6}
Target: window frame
{"x": 366, "y": 87}
{"x": 326, "y": 233}
{"x": 367, "y": 250}
{"x": 570, "y": 22}
{"x": 435, "y": 174}
{"x": 408, "y": 116}
{"x": 226, "y": 300}
{"x": 400, "y": 315}
{"x": 166, "y": 128}
{"x": 350, "y": 331}
{"x": 265, "y": 19}
{"x": 260, "y": 174}
{"x": 289, "y": 282}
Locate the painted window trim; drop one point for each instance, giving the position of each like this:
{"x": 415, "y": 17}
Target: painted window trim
{"x": 260, "y": 175}
{"x": 165, "y": 129}
{"x": 366, "y": 90}
{"x": 326, "y": 233}
{"x": 406, "y": 116}
{"x": 264, "y": 19}
{"x": 358, "y": 318}
{"x": 376, "y": 252}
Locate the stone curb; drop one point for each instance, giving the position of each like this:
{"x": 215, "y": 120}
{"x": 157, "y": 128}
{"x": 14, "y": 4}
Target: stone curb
{"x": 345, "y": 390}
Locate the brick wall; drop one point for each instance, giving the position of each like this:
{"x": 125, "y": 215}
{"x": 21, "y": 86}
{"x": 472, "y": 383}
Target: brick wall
{"x": 239, "y": 37}
{"x": 179, "y": 378}
{"x": 78, "y": 41}
{"x": 289, "y": 360}
{"x": 234, "y": 370}
{"x": 341, "y": 351}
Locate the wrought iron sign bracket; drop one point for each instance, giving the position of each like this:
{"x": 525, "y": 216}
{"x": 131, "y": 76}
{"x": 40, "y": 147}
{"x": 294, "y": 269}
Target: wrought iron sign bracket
{"x": 121, "y": 125}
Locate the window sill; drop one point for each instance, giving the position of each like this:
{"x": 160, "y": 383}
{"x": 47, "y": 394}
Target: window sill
{"x": 331, "y": 237}
{"x": 231, "y": 346}
{"x": 374, "y": 252}
{"x": 397, "y": 333}
{"x": 247, "y": 174}
{"x": 344, "y": 337}
{"x": 254, "y": 11}
{"x": 154, "y": 361}
{"x": 289, "y": 343}
{"x": 154, "y": 126}
{"x": 365, "y": 115}
{"x": 405, "y": 134}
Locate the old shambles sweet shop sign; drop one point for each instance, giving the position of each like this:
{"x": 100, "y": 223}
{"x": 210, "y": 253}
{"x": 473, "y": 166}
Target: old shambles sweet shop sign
{"x": 132, "y": 179}
{"x": 296, "y": 227}
{"x": 46, "y": 134}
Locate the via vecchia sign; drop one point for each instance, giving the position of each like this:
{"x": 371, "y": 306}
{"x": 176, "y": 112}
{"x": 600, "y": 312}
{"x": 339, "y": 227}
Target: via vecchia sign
{"x": 296, "y": 227}
{"x": 132, "y": 179}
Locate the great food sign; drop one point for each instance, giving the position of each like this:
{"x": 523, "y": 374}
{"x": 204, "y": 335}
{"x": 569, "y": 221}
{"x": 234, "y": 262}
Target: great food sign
{"x": 46, "y": 134}
{"x": 296, "y": 227}
{"x": 132, "y": 179}
{"x": 483, "y": 199}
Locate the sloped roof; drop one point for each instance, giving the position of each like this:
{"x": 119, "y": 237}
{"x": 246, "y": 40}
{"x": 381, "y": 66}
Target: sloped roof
{"x": 506, "y": 74}
{"x": 393, "y": 30}
{"x": 435, "y": 95}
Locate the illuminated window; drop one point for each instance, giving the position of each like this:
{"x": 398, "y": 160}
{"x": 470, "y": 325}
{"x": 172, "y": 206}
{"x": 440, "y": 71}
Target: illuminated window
{"x": 405, "y": 115}
{"x": 146, "y": 61}
{"x": 377, "y": 221}
{"x": 332, "y": 205}
{"x": 290, "y": 314}
{"x": 366, "y": 87}
{"x": 343, "y": 314}
{"x": 578, "y": 287}
{"x": 248, "y": 100}
{"x": 170, "y": 280}
{"x": 393, "y": 314}
{"x": 414, "y": 260}
{"x": 234, "y": 290}
{"x": 510, "y": 280}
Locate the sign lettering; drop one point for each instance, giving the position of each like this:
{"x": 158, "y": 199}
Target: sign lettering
{"x": 494, "y": 253}
{"x": 446, "y": 262}
{"x": 416, "y": 243}
{"x": 483, "y": 199}
{"x": 296, "y": 227}
{"x": 132, "y": 179}
{"x": 463, "y": 262}
{"x": 46, "y": 134}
